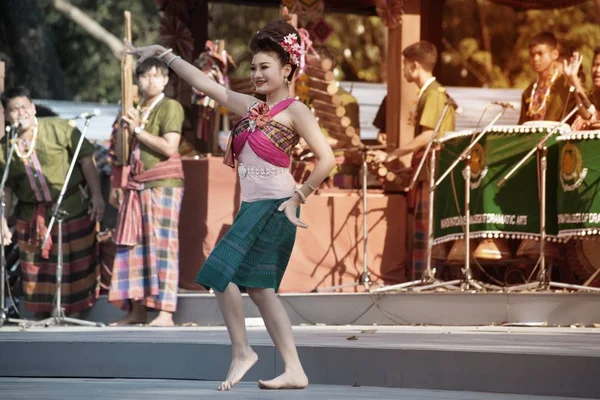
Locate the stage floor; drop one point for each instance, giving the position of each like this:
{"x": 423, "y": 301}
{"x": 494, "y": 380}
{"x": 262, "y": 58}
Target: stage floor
{"x": 503, "y": 360}
{"x": 129, "y": 389}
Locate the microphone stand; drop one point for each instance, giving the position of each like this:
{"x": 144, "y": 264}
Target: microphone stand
{"x": 4, "y": 318}
{"x": 365, "y": 278}
{"x": 428, "y": 276}
{"x": 466, "y": 280}
{"x": 543, "y": 280}
{"x": 58, "y": 314}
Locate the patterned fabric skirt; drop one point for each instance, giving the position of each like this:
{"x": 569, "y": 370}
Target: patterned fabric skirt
{"x": 254, "y": 252}
{"x": 80, "y": 270}
{"x": 149, "y": 271}
{"x": 420, "y": 220}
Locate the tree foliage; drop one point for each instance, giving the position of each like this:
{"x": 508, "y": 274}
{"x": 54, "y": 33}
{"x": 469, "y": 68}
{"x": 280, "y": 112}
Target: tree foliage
{"x": 466, "y": 61}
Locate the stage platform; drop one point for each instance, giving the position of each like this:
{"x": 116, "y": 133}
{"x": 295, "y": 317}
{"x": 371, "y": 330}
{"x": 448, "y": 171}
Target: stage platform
{"x": 502, "y": 360}
{"x": 432, "y": 308}
{"x": 123, "y": 389}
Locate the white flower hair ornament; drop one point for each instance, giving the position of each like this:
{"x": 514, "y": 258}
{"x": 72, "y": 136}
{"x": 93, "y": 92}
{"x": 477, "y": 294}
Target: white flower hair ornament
{"x": 293, "y": 48}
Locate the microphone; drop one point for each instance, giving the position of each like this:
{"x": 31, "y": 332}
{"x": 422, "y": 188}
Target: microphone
{"x": 505, "y": 104}
{"x": 87, "y": 115}
{"x": 457, "y": 109}
{"x": 14, "y": 126}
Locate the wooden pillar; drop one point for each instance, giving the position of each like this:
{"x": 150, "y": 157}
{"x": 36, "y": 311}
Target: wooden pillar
{"x": 401, "y": 95}
{"x": 432, "y": 18}
{"x": 2, "y": 70}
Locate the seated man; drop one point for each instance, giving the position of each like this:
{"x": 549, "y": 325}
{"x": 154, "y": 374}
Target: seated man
{"x": 548, "y": 98}
{"x": 589, "y": 102}
{"x": 44, "y": 151}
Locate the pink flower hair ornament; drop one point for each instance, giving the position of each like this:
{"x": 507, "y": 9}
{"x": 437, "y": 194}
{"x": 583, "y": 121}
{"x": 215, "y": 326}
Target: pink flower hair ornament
{"x": 293, "y": 48}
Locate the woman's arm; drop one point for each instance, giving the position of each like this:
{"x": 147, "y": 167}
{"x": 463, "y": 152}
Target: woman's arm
{"x": 237, "y": 103}
{"x": 305, "y": 124}
{"x": 571, "y": 71}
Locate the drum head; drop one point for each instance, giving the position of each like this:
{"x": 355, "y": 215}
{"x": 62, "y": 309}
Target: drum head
{"x": 584, "y": 257}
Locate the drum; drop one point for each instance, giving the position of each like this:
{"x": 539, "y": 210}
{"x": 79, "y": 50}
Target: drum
{"x": 578, "y": 199}
{"x": 508, "y": 212}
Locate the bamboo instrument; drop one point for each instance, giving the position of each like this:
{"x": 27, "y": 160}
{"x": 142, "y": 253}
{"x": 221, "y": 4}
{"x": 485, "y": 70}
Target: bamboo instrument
{"x": 318, "y": 62}
{"x": 339, "y": 111}
{"x": 329, "y": 87}
{"x": 319, "y": 73}
{"x": 335, "y": 99}
{"x": 126, "y": 94}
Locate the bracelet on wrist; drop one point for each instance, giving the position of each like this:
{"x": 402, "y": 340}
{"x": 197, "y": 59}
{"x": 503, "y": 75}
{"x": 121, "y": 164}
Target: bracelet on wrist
{"x": 164, "y": 53}
{"x": 171, "y": 60}
{"x": 301, "y": 195}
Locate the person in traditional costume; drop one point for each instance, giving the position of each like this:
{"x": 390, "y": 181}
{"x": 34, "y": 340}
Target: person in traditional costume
{"x": 418, "y": 64}
{"x": 148, "y": 192}
{"x": 254, "y": 253}
{"x": 587, "y": 101}
{"x": 548, "y": 98}
{"x": 44, "y": 150}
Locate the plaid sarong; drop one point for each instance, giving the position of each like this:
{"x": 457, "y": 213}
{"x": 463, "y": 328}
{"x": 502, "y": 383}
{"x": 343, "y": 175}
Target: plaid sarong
{"x": 150, "y": 271}
{"x": 418, "y": 219}
{"x": 254, "y": 252}
{"x": 80, "y": 270}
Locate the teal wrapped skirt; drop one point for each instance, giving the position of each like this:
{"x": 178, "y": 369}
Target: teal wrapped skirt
{"x": 254, "y": 252}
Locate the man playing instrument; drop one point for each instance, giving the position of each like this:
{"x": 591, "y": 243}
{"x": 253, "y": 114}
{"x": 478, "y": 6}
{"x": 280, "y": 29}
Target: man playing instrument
{"x": 548, "y": 98}
{"x": 419, "y": 61}
{"x": 589, "y": 102}
{"x": 44, "y": 151}
{"x": 146, "y": 268}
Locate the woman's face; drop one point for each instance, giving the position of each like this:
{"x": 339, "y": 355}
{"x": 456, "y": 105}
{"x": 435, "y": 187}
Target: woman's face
{"x": 267, "y": 73}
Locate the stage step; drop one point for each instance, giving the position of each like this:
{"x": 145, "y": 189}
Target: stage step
{"x": 433, "y": 308}
{"x": 536, "y": 361}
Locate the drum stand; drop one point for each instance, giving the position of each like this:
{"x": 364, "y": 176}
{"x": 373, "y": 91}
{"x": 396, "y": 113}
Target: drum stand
{"x": 365, "y": 278}
{"x": 4, "y": 318}
{"x": 543, "y": 280}
{"x": 58, "y": 313}
{"x": 466, "y": 280}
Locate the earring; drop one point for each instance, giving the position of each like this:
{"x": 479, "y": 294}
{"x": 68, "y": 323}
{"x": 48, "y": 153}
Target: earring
{"x": 286, "y": 82}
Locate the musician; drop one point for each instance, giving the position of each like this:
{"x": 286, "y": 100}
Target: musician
{"x": 548, "y": 98}
{"x": 45, "y": 147}
{"x": 589, "y": 102}
{"x": 419, "y": 61}
{"x": 146, "y": 268}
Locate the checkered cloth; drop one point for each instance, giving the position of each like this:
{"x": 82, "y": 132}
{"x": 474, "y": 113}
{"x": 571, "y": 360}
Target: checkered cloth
{"x": 150, "y": 271}
{"x": 80, "y": 271}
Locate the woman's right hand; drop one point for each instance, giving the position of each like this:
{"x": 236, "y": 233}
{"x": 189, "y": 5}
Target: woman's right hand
{"x": 144, "y": 52}
{"x": 7, "y": 233}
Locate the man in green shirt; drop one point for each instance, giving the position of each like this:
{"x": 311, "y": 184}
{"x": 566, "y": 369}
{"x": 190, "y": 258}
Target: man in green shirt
{"x": 146, "y": 268}
{"x": 418, "y": 63}
{"x": 43, "y": 154}
{"x": 549, "y": 97}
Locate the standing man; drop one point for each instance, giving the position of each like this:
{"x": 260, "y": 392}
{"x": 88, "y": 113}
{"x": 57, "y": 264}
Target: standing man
{"x": 418, "y": 64}
{"x": 548, "y": 98}
{"x": 44, "y": 151}
{"x": 146, "y": 269}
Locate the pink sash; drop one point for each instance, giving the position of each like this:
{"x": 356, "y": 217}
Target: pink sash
{"x": 265, "y": 146}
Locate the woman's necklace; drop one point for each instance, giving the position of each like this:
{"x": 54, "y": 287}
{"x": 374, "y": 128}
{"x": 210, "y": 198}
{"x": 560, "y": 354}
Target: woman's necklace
{"x": 537, "y": 110}
{"x": 29, "y": 152}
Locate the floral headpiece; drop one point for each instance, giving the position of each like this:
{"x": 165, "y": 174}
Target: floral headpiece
{"x": 293, "y": 48}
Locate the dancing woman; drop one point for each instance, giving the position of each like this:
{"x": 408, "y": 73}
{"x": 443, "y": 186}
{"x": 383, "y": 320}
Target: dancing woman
{"x": 255, "y": 251}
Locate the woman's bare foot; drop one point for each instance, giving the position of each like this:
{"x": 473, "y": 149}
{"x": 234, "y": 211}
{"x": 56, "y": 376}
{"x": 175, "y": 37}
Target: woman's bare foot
{"x": 238, "y": 368}
{"x": 164, "y": 318}
{"x": 287, "y": 380}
